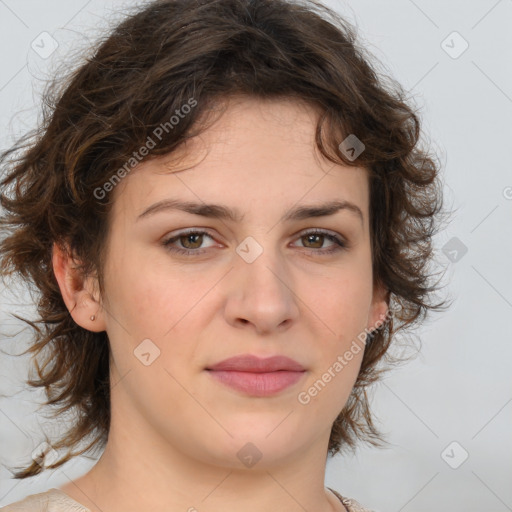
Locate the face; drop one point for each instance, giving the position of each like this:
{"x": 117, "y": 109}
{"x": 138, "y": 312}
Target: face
{"x": 270, "y": 284}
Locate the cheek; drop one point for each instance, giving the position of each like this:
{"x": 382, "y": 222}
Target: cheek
{"x": 342, "y": 305}
{"x": 342, "y": 302}
{"x": 144, "y": 297}
{"x": 151, "y": 300}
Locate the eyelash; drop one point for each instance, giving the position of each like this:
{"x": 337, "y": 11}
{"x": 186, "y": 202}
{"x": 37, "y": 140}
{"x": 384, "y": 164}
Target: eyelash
{"x": 340, "y": 244}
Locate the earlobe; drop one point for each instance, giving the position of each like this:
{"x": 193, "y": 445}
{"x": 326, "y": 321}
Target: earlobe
{"x": 77, "y": 291}
{"x": 380, "y": 308}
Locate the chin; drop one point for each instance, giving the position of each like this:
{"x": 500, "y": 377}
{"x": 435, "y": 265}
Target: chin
{"x": 256, "y": 448}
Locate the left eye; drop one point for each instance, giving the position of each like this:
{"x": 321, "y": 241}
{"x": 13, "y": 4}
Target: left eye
{"x": 321, "y": 235}
{"x": 192, "y": 240}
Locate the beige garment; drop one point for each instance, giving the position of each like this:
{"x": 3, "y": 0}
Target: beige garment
{"x": 55, "y": 500}
{"x": 350, "y": 504}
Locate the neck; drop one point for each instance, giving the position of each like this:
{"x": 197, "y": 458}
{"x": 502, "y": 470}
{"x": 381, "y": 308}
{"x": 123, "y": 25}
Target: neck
{"x": 152, "y": 474}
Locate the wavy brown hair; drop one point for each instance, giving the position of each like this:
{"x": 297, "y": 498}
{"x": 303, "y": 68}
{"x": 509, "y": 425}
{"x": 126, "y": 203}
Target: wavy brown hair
{"x": 147, "y": 67}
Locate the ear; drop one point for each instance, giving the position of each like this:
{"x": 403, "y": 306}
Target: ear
{"x": 80, "y": 294}
{"x": 379, "y": 308}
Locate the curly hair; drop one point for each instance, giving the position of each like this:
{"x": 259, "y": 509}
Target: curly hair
{"x": 151, "y": 64}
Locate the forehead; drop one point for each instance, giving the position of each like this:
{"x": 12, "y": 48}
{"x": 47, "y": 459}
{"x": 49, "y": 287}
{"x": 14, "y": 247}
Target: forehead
{"x": 258, "y": 154}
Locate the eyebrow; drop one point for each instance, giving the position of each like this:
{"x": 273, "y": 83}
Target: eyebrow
{"x": 217, "y": 211}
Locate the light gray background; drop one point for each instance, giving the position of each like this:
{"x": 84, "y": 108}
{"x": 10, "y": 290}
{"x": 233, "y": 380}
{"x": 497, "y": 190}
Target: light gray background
{"x": 459, "y": 389}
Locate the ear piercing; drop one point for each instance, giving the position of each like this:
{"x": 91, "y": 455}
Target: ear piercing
{"x": 93, "y": 317}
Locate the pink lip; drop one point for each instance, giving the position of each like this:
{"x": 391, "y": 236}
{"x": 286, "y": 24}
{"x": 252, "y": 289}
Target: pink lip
{"x": 255, "y": 376}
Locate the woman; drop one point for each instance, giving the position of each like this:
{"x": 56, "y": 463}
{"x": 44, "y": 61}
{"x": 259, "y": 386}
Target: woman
{"x": 228, "y": 217}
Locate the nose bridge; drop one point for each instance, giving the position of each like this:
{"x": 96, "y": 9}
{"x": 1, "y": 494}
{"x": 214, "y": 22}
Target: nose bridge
{"x": 260, "y": 268}
{"x": 262, "y": 291}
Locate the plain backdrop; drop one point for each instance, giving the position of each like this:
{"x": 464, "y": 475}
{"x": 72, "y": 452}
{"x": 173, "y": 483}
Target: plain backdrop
{"x": 448, "y": 413}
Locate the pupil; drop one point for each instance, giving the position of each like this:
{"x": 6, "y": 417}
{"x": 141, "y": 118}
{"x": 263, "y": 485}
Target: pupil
{"x": 191, "y": 236}
{"x": 310, "y": 237}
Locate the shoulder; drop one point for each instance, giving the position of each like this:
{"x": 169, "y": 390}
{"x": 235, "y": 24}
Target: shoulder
{"x": 354, "y": 506}
{"x": 32, "y": 503}
{"x": 351, "y": 504}
{"x": 53, "y": 500}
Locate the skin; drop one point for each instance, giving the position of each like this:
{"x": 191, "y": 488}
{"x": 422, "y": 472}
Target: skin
{"x": 175, "y": 432}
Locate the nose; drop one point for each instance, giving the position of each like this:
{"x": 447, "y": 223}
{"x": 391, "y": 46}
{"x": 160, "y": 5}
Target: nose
{"x": 261, "y": 295}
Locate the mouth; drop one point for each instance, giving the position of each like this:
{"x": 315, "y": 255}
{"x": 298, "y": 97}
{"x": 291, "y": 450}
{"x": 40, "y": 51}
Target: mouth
{"x": 258, "y": 377}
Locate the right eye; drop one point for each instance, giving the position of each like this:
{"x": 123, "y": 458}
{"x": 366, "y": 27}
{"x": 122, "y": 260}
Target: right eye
{"x": 191, "y": 239}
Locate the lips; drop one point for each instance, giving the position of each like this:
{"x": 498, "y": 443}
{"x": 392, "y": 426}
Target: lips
{"x": 255, "y": 376}
{"x": 253, "y": 364}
